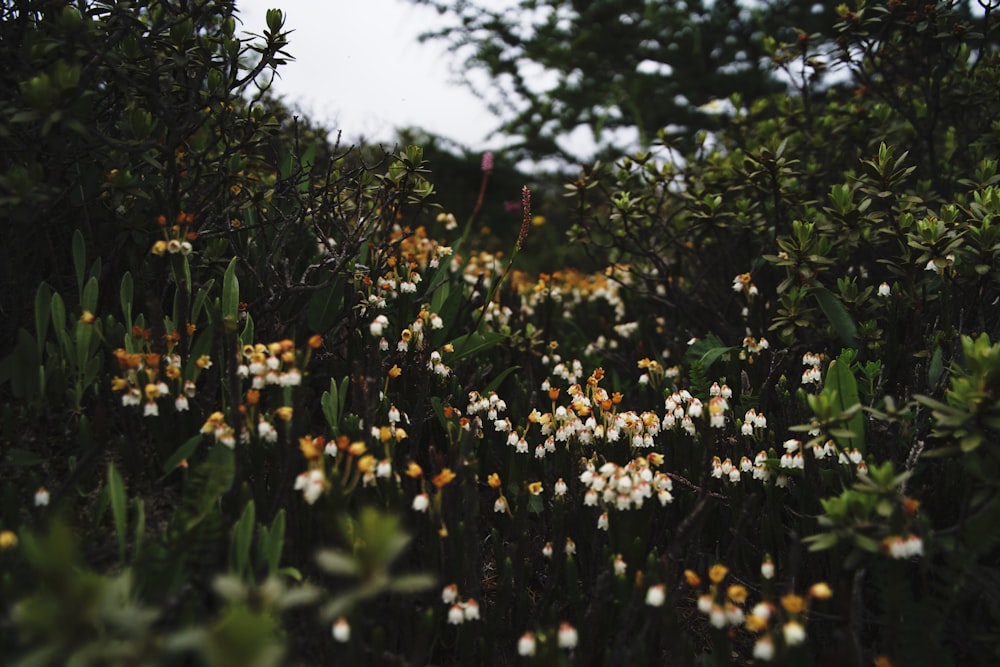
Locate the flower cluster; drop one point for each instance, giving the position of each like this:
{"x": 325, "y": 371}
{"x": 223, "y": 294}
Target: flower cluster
{"x": 146, "y": 377}
{"x": 626, "y": 487}
{"x": 177, "y": 237}
{"x": 459, "y": 610}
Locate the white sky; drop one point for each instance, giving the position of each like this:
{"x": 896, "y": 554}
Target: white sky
{"x": 359, "y": 68}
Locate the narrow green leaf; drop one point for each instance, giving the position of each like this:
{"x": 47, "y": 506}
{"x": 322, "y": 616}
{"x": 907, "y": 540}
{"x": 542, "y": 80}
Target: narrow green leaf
{"x": 183, "y": 452}
{"x": 242, "y": 539}
{"x": 936, "y": 367}
{"x": 126, "y": 295}
{"x": 140, "y": 525}
{"x": 837, "y": 315}
{"x": 498, "y": 380}
{"x": 331, "y": 407}
{"x": 43, "y": 304}
{"x": 412, "y": 583}
{"x": 841, "y": 382}
{"x": 79, "y": 259}
{"x": 275, "y": 544}
{"x": 337, "y": 562}
{"x": 231, "y": 294}
{"x": 119, "y": 507}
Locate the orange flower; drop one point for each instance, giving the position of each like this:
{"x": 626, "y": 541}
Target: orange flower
{"x": 443, "y": 478}
{"x": 493, "y": 480}
{"x": 693, "y": 580}
{"x": 793, "y": 603}
{"x": 717, "y": 573}
{"x": 311, "y": 449}
{"x": 253, "y": 396}
{"x": 414, "y": 470}
{"x": 315, "y": 341}
{"x": 535, "y": 488}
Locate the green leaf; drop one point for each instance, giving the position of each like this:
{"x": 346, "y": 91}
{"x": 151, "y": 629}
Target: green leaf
{"x": 936, "y": 367}
{"x": 119, "y": 509}
{"x": 473, "y": 343}
{"x": 246, "y": 336}
{"x": 79, "y": 259}
{"x": 183, "y": 452}
{"x": 841, "y": 386}
{"x": 140, "y": 525}
{"x": 837, "y": 315}
{"x": 275, "y": 543}
{"x": 43, "y": 304}
{"x": 325, "y": 307}
{"x": 412, "y": 583}
{"x": 498, "y": 380}
{"x": 338, "y": 563}
{"x": 125, "y": 295}
{"x": 231, "y": 295}
{"x": 331, "y": 407}
{"x": 242, "y": 539}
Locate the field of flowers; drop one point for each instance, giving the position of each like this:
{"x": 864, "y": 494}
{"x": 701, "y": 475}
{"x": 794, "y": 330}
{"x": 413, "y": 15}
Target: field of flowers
{"x": 267, "y": 402}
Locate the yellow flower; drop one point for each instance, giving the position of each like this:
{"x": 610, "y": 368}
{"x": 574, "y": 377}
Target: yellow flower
{"x": 203, "y": 361}
{"x": 159, "y": 248}
{"x": 717, "y": 573}
{"x": 693, "y": 580}
{"x": 311, "y": 449}
{"x": 755, "y": 623}
{"x": 414, "y": 470}
{"x": 443, "y": 478}
{"x": 535, "y": 488}
{"x": 820, "y": 591}
{"x": 493, "y": 480}
{"x": 793, "y": 603}
{"x": 366, "y": 463}
{"x": 7, "y": 540}
{"x": 737, "y": 593}
{"x": 87, "y": 317}
{"x": 284, "y": 413}
{"x": 119, "y": 384}
{"x": 152, "y": 391}
{"x": 395, "y": 371}
{"x": 357, "y": 448}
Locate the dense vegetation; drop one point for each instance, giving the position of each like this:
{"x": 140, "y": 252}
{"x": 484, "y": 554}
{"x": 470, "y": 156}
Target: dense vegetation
{"x": 269, "y": 400}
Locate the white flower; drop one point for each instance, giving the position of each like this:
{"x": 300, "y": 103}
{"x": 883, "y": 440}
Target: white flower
{"x": 656, "y": 595}
{"x": 884, "y": 290}
{"x": 766, "y": 571}
{"x": 471, "y": 609}
{"x": 341, "y": 630}
{"x": 568, "y": 636}
{"x": 41, "y": 497}
{"x": 378, "y": 326}
{"x": 456, "y": 615}
{"x": 620, "y": 565}
{"x": 449, "y": 594}
{"x": 794, "y": 633}
{"x": 436, "y": 321}
{"x": 717, "y": 617}
{"x": 150, "y": 409}
{"x": 570, "y": 547}
{"x": 181, "y": 403}
{"x": 500, "y": 505}
{"x": 560, "y": 487}
{"x": 526, "y": 644}
{"x": 421, "y": 502}
{"x": 602, "y": 521}
{"x": 764, "y": 649}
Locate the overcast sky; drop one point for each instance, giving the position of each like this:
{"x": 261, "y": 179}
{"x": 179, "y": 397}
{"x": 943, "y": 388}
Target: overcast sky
{"x": 359, "y": 68}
